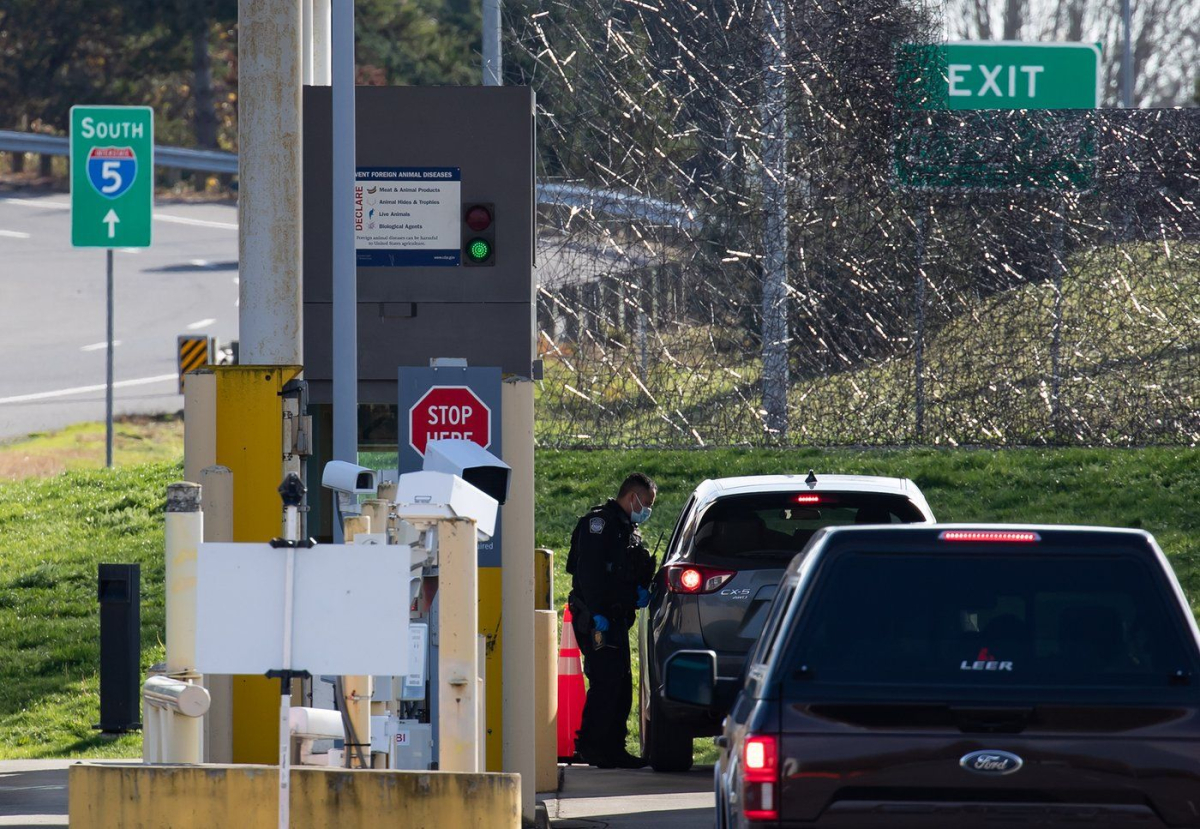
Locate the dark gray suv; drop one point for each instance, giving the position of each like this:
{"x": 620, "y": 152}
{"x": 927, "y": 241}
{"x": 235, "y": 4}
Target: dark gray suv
{"x": 728, "y": 552}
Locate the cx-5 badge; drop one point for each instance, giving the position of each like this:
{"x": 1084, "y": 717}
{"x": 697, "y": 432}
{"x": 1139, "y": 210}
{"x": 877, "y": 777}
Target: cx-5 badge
{"x": 991, "y": 762}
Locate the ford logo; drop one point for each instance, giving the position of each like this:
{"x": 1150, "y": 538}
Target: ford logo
{"x": 991, "y": 762}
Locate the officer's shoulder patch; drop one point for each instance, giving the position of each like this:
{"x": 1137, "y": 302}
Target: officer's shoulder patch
{"x": 596, "y": 525}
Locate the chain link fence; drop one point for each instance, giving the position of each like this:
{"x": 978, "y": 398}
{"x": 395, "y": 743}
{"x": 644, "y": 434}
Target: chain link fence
{"x": 799, "y": 256}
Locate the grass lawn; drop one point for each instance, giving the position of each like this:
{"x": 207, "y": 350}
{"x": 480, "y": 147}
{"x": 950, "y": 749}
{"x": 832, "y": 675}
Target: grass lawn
{"x": 55, "y": 530}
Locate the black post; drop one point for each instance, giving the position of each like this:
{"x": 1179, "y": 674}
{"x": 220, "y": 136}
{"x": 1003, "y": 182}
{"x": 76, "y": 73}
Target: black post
{"x": 120, "y": 647}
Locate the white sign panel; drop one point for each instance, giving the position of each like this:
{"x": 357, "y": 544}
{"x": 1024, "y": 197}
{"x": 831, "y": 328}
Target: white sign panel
{"x": 350, "y": 609}
{"x": 408, "y": 216}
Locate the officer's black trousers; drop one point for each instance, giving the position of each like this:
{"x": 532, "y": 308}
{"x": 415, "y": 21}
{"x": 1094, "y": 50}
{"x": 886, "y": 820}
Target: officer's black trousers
{"x": 609, "y": 696}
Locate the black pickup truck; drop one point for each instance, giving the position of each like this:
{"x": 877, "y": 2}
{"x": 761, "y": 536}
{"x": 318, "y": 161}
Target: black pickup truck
{"x": 948, "y": 675}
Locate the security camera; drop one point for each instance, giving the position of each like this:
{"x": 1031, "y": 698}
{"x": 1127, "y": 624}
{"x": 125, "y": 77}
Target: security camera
{"x": 349, "y": 478}
{"x": 471, "y": 462}
{"x": 427, "y": 497}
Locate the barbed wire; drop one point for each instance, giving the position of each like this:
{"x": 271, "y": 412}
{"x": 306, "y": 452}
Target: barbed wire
{"x": 843, "y": 266}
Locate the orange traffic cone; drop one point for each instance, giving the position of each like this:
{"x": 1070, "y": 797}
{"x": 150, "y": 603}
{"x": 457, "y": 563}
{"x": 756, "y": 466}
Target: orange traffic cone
{"x": 571, "y": 693}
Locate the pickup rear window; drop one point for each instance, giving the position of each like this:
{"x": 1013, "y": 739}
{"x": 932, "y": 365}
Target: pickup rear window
{"x": 988, "y": 621}
{"x": 777, "y": 525}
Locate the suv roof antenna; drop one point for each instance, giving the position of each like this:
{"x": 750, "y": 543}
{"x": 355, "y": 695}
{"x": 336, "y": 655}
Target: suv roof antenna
{"x": 812, "y": 477}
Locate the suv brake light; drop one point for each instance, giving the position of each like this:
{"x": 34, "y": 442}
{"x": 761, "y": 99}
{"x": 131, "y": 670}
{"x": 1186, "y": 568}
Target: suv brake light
{"x": 684, "y": 578}
{"x": 991, "y": 536}
{"x": 813, "y": 498}
{"x": 760, "y": 776}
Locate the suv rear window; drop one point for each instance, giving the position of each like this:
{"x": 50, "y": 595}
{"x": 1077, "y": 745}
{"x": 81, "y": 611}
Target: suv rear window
{"x": 990, "y": 621}
{"x": 775, "y": 525}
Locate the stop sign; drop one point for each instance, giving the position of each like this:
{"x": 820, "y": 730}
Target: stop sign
{"x": 446, "y": 412}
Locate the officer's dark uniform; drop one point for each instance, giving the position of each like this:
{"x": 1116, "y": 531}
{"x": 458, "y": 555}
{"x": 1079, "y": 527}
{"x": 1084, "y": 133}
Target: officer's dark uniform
{"x": 608, "y": 563}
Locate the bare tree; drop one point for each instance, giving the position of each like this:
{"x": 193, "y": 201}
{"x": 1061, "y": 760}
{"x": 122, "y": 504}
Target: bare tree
{"x": 1166, "y": 38}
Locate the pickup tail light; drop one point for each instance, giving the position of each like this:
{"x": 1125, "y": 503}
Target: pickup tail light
{"x": 686, "y": 578}
{"x": 760, "y": 778}
{"x": 991, "y": 536}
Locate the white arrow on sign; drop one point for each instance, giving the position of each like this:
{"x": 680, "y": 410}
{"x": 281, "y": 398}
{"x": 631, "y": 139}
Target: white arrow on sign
{"x": 111, "y": 220}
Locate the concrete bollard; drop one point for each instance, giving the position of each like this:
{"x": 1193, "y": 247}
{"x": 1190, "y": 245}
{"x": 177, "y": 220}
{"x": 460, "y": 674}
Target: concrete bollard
{"x": 183, "y": 735}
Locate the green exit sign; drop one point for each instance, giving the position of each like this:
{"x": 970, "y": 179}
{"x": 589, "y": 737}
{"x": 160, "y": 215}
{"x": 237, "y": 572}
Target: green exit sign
{"x": 1000, "y": 75}
{"x": 1006, "y": 139}
{"x": 112, "y": 176}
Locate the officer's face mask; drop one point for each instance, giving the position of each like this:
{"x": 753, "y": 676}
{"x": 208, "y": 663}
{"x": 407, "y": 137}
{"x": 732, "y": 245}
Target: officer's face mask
{"x": 642, "y": 514}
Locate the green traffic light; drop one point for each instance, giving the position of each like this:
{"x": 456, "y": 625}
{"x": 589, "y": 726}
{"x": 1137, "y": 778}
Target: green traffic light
{"x": 479, "y": 250}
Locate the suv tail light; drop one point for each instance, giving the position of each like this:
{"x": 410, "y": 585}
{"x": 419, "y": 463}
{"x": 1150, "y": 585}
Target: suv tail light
{"x": 686, "y": 578}
{"x": 760, "y": 778}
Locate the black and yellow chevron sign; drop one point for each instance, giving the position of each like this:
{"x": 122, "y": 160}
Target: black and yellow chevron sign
{"x": 193, "y": 353}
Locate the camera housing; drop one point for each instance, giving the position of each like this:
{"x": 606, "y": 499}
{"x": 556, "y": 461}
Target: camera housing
{"x": 471, "y": 462}
{"x": 349, "y": 478}
{"x": 425, "y": 497}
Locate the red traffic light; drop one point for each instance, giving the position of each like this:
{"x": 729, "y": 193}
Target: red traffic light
{"x": 479, "y": 218}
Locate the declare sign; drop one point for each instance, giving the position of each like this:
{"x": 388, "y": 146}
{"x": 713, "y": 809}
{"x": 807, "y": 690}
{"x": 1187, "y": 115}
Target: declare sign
{"x": 407, "y": 216}
{"x": 973, "y": 115}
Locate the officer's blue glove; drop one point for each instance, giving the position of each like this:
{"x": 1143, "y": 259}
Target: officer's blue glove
{"x": 643, "y": 596}
{"x": 599, "y": 622}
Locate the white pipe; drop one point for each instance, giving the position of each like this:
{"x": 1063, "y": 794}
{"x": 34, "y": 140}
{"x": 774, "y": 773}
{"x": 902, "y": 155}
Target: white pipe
{"x": 184, "y": 531}
{"x": 458, "y": 651}
{"x": 306, "y": 42}
{"x": 174, "y": 696}
{"x": 269, "y": 175}
{"x": 320, "y": 48}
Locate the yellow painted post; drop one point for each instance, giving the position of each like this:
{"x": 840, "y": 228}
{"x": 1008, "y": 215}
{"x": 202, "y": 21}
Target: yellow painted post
{"x": 234, "y": 418}
{"x": 543, "y": 575}
{"x": 546, "y": 699}
{"x": 490, "y": 579}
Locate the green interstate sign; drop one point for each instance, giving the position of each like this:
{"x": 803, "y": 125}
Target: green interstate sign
{"x": 112, "y": 176}
{"x": 973, "y": 115}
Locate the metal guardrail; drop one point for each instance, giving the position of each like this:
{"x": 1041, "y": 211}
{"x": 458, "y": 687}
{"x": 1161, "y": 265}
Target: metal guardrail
{"x": 206, "y": 161}
{"x": 574, "y": 196}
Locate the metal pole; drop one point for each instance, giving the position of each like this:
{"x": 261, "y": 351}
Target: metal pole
{"x": 291, "y": 533}
{"x": 269, "y": 170}
{"x": 108, "y": 386}
{"x": 919, "y": 355}
{"x": 1127, "y": 55}
{"x": 345, "y": 270}
{"x": 775, "y": 234}
{"x": 493, "y": 60}
{"x": 1056, "y": 263}
{"x": 357, "y": 688}
{"x": 184, "y": 531}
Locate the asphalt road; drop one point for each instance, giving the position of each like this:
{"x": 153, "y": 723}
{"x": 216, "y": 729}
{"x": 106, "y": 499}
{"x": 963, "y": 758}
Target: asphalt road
{"x": 33, "y": 793}
{"x": 616, "y": 799}
{"x": 53, "y": 310}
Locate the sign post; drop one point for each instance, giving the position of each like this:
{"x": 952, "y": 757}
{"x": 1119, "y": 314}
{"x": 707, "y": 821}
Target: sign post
{"x": 112, "y": 197}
